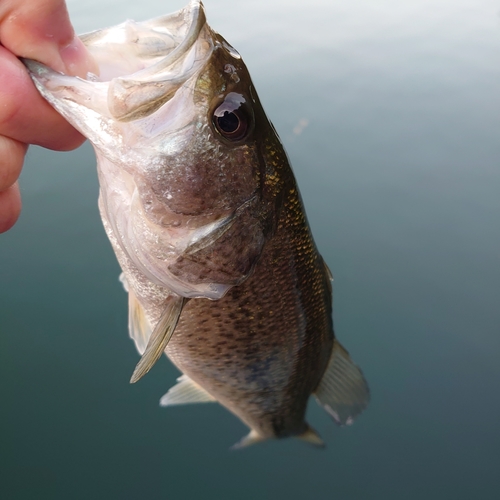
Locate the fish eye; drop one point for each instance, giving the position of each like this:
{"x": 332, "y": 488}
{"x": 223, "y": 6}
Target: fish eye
{"x": 230, "y": 125}
{"x": 231, "y": 118}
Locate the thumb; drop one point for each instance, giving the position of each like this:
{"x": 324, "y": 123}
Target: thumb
{"x": 41, "y": 30}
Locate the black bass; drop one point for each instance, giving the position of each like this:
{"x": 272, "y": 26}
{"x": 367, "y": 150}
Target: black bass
{"x": 204, "y": 215}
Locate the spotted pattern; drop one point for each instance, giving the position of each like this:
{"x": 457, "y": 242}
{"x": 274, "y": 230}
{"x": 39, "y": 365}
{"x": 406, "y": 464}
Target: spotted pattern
{"x": 262, "y": 349}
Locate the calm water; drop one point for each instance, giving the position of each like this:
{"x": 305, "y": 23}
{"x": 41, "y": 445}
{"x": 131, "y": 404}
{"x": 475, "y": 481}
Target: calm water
{"x": 390, "y": 114}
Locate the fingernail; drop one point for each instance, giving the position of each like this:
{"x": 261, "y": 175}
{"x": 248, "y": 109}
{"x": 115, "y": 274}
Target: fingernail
{"x": 77, "y": 59}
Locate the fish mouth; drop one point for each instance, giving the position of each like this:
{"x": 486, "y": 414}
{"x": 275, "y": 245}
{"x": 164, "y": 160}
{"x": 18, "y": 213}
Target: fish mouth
{"x": 141, "y": 64}
{"x": 140, "y": 113}
{"x": 168, "y": 51}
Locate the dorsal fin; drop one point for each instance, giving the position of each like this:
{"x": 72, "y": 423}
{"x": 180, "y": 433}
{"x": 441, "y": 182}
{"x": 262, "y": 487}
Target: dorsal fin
{"x": 327, "y": 270}
{"x": 343, "y": 391}
{"x": 329, "y": 275}
{"x": 186, "y": 392}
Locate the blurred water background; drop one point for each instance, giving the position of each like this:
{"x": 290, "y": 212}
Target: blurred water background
{"x": 390, "y": 113}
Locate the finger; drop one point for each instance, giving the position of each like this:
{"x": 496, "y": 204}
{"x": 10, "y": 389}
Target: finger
{"x": 24, "y": 115}
{"x": 41, "y": 30}
{"x": 10, "y": 207}
{"x": 11, "y": 161}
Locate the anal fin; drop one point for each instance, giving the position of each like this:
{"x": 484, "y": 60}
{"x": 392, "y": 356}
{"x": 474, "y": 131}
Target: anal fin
{"x": 343, "y": 391}
{"x": 186, "y": 392}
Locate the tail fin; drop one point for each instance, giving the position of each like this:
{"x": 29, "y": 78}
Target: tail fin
{"x": 309, "y": 436}
{"x": 251, "y": 438}
{"x": 312, "y": 437}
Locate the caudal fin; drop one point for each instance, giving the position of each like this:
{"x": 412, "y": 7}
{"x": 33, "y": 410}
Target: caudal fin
{"x": 251, "y": 438}
{"x": 311, "y": 437}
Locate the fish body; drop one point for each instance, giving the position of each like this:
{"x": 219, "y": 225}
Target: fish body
{"x": 203, "y": 212}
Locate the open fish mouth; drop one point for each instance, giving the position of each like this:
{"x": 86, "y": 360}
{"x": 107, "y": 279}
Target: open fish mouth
{"x": 163, "y": 188}
{"x": 167, "y": 52}
{"x": 148, "y": 49}
{"x": 141, "y": 65}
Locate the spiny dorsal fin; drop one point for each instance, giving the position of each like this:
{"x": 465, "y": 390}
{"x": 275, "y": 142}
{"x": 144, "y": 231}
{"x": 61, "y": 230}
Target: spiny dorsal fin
{"x": 327, "y": 270}
{"x": 311, "y": 437}
{"x": 329, "y": 275}
{"x": 186, "y": 392}
{"x": 251, "y": 438}
{"x": 139, "y": 328}
{"x": 343, "y": 391}
{"x": 160, "y": 337}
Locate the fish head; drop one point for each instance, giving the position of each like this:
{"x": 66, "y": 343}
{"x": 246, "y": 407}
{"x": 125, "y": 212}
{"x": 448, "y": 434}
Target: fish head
{"x": 178, "y": 132}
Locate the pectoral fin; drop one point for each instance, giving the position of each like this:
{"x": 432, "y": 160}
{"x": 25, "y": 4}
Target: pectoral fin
{"x": 186, "y": 392}
{"x": 227, "y": 254}
{"x": 160, "y": 337}
{"x": 138, "y": 325}
{"x": 343, "y": 391}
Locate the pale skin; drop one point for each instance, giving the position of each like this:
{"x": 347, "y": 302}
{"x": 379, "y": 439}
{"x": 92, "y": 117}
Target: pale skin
{"x": 40, "y": 30}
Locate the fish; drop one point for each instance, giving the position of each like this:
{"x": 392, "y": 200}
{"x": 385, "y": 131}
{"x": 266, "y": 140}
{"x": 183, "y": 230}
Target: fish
{"x": 201, "y": 207}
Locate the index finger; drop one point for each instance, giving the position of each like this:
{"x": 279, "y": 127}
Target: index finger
{"x": 41, "y": 30}
{"x": 24, "y": 115}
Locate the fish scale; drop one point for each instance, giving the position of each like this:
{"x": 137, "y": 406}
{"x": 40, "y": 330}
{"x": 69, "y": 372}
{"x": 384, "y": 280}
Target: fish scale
{"x": 268, "y": 301}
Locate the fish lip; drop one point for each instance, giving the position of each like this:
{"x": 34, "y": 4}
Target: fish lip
{"x": 36, "y": 69}
{"x": 142, "y": 84}
{"x": 129, "y": 96}
{"x": 195, "y": 13}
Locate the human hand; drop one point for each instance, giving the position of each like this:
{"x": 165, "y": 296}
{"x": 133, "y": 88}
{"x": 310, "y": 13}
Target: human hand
{"x": 39, "y": 30}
